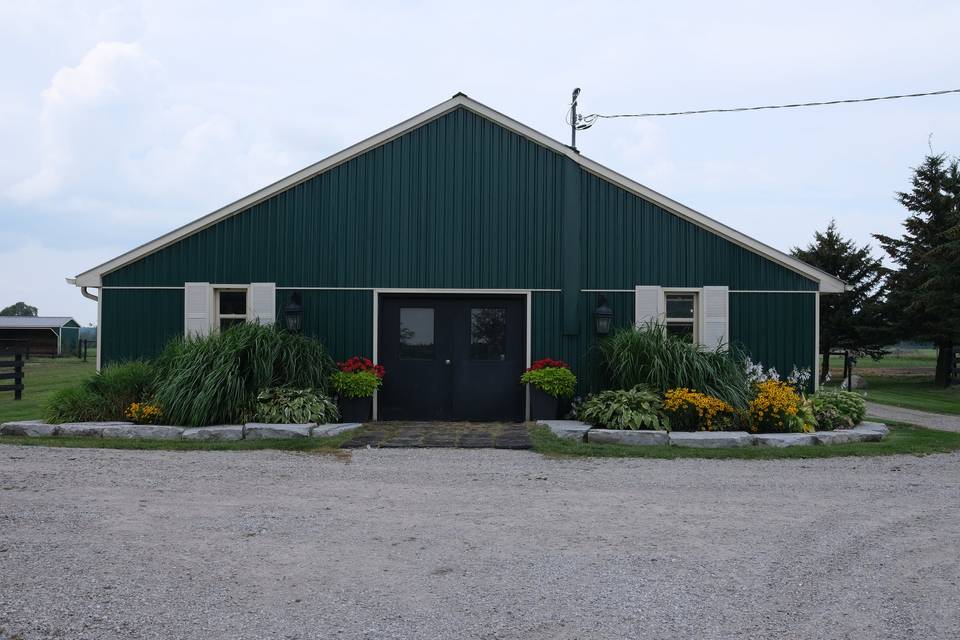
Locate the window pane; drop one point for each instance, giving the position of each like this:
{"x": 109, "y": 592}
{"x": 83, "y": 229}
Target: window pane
{"x": 233, "y": 303}
{"x": 488, "y": 334}
{"x": 226, "y": 323}
{"x": 681, "y": 329}
{"x": 416, "y": 333}
{"x": 680, "y": 305}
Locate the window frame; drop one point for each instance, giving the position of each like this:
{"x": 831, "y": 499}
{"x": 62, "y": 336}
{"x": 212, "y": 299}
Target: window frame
{"x": 217, "y": 316}
{"x": 695, "y": 321}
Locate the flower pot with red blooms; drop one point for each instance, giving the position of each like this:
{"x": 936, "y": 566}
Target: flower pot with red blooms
{"x": 355, "y": 384}
{"x": 551, "y": 382}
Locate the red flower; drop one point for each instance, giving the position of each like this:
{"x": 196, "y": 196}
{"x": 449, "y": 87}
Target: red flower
{"x": 548, "y": 363}
{"x": 356, "y": 364}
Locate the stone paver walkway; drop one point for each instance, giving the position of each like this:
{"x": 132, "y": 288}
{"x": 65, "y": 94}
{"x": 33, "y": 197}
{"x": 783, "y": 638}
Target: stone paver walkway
{"x": 462, "y": 435}
{"x": 940, "y": 421}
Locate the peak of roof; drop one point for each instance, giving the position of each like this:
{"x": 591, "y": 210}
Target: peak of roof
{"x": 827, "y": 282}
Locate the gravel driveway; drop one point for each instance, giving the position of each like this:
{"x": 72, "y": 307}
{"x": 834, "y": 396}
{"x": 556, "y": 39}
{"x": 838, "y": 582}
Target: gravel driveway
{"x": 474, "y": 544}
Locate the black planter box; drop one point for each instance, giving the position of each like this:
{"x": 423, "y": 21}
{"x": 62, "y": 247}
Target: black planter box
{"x": 543, "y": 406}
{"x": 355, "y": 409}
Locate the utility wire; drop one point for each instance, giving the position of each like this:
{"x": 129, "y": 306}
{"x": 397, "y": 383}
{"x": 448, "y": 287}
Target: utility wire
{"x": 585, "y": 121}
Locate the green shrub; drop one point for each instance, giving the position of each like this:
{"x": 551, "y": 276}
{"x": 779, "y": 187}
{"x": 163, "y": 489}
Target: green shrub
{"x": 558, "y": 382}
{"x": 105, "y": 396}
{"x": 636, "y": 408}
{"x": 215, "y": 379}
{"x": 355, "y": 384}
{"x": 652, "y": 357}
{"x": 294, "y": 406}
{"x": 837, "y": 409}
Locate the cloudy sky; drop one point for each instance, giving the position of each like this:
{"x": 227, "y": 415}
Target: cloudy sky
{"x": 122, "y": 120}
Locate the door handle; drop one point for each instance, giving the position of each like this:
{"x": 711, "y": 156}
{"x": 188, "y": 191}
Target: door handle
{"x": 446, "y": 361}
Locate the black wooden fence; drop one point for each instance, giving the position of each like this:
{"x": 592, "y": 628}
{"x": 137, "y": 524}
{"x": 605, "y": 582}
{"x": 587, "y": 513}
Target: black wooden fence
{"x": 12, "y": 361}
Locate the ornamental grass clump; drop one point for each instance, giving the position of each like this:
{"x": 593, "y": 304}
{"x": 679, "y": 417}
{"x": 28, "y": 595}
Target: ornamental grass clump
{"x": 650, "y": 356}
{"x": 636, "y": 408}
{"x": 357, "y": 378}
{"x": 215, "y": 379}
{"x": 553, "y": 377}
{"x": 105, "y": 396}
{"x": 694, "y": 411}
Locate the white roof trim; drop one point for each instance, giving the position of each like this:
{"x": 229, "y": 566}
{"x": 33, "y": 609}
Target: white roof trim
{"x": 828, "y": 283}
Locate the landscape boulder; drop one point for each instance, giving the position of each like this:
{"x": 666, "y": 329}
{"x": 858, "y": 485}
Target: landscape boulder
{"x": 628, "y": 436}
{"x": 142, "y": 431}
{"x": 259, "y": 431}
{"x": 217, "y": 433}
{"x": 31, "y": 428}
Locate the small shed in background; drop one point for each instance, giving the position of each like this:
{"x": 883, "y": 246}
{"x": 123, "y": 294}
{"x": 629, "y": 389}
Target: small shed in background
{"x": 39, "y": 336}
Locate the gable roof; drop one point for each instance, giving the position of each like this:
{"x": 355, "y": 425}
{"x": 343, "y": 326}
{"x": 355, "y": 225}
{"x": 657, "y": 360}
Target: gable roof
{"x": 33, "y": 322}
{"x": 827, "y": 282}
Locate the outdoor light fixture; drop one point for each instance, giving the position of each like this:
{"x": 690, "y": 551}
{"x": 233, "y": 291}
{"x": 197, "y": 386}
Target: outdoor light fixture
{"x": 603, "y": 317}
{"x": 293, "y": 313}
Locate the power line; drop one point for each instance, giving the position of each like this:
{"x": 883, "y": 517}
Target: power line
{"x": 586, "y": 121}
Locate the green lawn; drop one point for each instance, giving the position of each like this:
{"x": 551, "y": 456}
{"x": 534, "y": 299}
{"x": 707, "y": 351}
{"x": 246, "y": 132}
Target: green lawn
{"x": 42, "y": 377}
{"x": 921, "y": 360}
{"x": 913, "y": 392}
{"x": 903, "y": 439}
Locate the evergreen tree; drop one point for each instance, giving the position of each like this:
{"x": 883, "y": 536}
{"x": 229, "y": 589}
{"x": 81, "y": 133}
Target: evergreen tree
{"x": 851, "y": 320}
{"x": 925, "y": 290}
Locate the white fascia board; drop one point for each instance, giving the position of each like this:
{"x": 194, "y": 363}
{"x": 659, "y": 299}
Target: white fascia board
{"x": 828, "y": 283}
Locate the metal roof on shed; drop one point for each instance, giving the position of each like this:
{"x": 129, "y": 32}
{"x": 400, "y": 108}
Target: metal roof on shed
{"x": 33, "y": 322}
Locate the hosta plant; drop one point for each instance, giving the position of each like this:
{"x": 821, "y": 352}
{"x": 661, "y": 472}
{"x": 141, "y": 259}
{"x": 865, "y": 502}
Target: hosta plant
{"x": 636, "y": 408}
{"x": 553, "y": 377}
{"x": 294, "y": 406}
{"x": 839, "y": 409}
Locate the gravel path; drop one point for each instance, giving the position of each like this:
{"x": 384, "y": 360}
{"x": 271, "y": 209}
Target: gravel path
{"x": 101, "y": 544}
{"x": 940, "y": 421}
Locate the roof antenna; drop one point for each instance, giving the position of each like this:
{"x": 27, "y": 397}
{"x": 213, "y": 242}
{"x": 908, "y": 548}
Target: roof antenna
{"x": 573, "y": 119}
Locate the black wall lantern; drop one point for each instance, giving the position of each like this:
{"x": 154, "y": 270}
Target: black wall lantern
{"x": 602, "y": 317}
{"x": 293, "y": 313}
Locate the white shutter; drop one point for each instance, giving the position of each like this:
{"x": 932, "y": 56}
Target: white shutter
{"x": 648, "y": 305}
{"x": 262, "y": 303}
{"x": 714, "y": 307}
{"x": 196, "y": 308}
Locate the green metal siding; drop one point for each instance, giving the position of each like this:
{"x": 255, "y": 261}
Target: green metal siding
{"x": 343, "y": 320}
{"x": 777, "y": 329}
{"x": 137, "y": 323}
{"x": 459, "y": 202}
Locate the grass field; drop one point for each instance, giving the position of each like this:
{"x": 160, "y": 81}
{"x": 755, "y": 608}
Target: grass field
{"x": 904, "y": 379}
{"x": 42, "y": 377}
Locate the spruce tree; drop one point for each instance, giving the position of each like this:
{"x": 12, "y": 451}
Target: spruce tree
{"x": 925, "y": 290}
{"x": 854, "y": 319}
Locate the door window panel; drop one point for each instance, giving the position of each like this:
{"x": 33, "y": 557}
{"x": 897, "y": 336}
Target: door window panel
{"x": 488, "y": 333}
{"x": 416, "y": 333}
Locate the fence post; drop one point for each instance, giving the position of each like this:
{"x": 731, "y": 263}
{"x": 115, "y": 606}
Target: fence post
{"x": 85, "y": 343}
{"x": 18, "y": 376}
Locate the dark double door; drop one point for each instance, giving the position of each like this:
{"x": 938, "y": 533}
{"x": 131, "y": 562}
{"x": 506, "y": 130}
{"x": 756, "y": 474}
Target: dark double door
{"x": 452, "y": 357}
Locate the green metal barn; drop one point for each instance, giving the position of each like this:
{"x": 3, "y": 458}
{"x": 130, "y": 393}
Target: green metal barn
{"x": 455, "y": 248}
